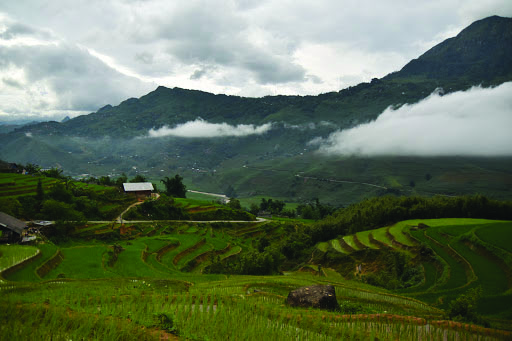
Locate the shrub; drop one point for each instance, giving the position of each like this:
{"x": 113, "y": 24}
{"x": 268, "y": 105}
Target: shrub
{"x": 165, "y": 322}
{"x": 463, "y": 308}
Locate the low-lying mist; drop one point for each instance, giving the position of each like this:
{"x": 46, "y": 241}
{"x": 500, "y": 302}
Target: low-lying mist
{"x": 476, "y": 122}
{"x": 200, "y": 128}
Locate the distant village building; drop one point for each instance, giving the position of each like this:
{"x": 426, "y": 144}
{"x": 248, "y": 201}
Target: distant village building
{"x": 11, "y": 168}
{"x": 141, "y": 190}
{"x": 12, "y": 229}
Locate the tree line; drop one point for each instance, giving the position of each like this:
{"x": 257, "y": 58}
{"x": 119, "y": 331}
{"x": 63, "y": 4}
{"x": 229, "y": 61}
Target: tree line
{"x": 313, "y": 210}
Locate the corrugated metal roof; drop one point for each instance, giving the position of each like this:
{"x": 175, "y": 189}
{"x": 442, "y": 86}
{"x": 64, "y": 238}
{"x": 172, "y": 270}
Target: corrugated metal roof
{"x": 12, "y": 223}
{"x": 138, "y": 186}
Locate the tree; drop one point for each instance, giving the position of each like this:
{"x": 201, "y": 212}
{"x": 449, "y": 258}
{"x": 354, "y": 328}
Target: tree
{"x": 276, "y": 206}
{"x": 139, "y": 178}
{"x": 264, "y": 205}
{"x": 121, "y": 180}
{"x": 105, "y": 181}
{"x": 11, "y": 206}
{"x": 32, "y": 168}
{"x": 464, "y": 307}
{"x": 234, "y": 204}
{"x": 60, "y": 193}
{"x": 230, "y": 192}
{"x": 54, "y": 173}
{"x": 254, "y": 209}
{"x": 174, "y": 187}
{"x": 56, "y": 210}
{"x": 263, "y": 243}
{"x": 39, "y": 191}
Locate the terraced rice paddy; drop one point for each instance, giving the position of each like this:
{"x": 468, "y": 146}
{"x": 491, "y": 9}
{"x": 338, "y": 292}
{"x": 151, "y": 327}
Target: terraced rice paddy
{"x": 364, "y": 238}
{"x": 459, "y": 263}
{"x": 499, "y": 234}
{"x": 11, "y": 255}
{"x": 156, "y": 251}
{"x": 153, "y": 274}
{"x": 350, "y": 242}
{"x": 15, "y": 185}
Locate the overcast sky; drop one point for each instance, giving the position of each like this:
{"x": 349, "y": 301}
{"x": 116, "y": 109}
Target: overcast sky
{"x": 65, "y": 57}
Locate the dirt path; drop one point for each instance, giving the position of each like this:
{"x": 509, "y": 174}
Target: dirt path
{"x": 120, "y": 218}
{"x": 221, "y": 196}
{"x": 258, "y": 220}
{"x": 344, "y": 181}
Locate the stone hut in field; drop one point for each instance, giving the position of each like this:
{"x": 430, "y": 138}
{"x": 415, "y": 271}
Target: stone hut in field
{"x": 141, "y": 190}
{"x": 11, "y": 228}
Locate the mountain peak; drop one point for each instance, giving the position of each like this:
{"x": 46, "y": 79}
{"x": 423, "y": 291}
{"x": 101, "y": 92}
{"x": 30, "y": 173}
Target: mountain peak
{"x": 478, "y": 53}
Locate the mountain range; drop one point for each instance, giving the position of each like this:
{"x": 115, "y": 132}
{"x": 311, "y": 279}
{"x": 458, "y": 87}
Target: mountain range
{"x": 273, "y": 156}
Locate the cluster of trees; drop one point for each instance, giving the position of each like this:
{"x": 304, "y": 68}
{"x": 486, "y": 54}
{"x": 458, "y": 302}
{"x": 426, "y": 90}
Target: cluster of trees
{"x": 314, "y": 210}
{"x": 117, "y": 182}
{"x": 275, "y": 207}
{"x": 67, "y": 202}
{"x": 34, "y": 169}
{"x": 269, "y": 255}
{"x": 162, "y": 209}
{"x": 174, "y": 187}
{"x": 464, "y": 307}
{"x": 249, "y": 263}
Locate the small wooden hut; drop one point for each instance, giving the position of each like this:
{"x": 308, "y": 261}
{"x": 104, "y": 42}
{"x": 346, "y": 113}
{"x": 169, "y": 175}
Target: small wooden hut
{"x": 141, "y": 190}
{"x": 12, "y": 228}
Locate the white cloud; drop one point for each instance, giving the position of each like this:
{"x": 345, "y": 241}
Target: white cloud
{"x": 474, "y": 122}
{"x": 203, "y": 129}
{"x": 310, "y": 125}
{"x": 44, "y": 77}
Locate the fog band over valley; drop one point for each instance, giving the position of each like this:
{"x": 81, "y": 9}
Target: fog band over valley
{"x": 201, "y": 128}
{"x": 475, "y": 122}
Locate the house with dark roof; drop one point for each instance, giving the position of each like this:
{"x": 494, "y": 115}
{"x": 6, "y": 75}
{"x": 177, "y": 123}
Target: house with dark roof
{"x": 141, "y": 190}
{"x": 12, "y": 229}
